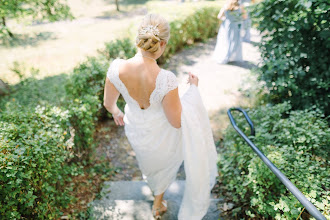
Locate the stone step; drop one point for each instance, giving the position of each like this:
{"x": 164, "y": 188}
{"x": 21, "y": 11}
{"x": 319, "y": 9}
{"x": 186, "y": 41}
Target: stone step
{"x": 139, "y": 190}
{"x": 132, "y": 200}
{"x": 107, "y": 209}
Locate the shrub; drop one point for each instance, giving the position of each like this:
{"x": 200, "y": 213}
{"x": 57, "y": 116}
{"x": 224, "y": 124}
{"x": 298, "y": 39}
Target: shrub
{"x": 84, "y": 90}
{"x": 35, "y": 149}
{"x": 295, "y": 49}
{"x": 199, "y": 26}
{"x": 121, "y": 48}
{"x": 297, "y": 142}
{"x": 85, "y": 101}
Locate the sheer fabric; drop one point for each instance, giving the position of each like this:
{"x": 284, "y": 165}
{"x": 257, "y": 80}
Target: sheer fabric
{"x": 160, "y": 148}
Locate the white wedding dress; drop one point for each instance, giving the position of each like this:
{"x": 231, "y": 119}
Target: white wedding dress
{"x": 160, "y": 148}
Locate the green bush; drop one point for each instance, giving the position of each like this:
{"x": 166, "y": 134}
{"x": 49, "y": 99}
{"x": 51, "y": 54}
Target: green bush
{"x": 198, "y": 26}
{"x": 85, "y": 97}
{"x": 35, "y": 149}
{"x": 295, "y": 49}
{"x": 85, "y": 89}
{"x": 297, "y": 142}
{"x": 121, "y": 48}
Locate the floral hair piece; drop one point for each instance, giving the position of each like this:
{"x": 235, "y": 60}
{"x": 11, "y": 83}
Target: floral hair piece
{"x": 150, "y": 29}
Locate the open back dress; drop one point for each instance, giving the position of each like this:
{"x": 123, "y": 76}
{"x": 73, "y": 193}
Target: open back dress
{"x": 160, "y": 148}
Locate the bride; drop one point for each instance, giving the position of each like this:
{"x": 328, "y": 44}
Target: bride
{"x": 163, "y": 129}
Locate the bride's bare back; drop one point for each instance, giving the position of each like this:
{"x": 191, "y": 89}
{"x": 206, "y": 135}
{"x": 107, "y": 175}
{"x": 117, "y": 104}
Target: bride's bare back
{"x": 144, "y": 83}
{"x": 158, "y": 146}
{"x": 139, "y": 78}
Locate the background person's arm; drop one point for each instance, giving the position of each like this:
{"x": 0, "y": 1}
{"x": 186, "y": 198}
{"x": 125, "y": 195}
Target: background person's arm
{"x": 244, "y": 12}
{"x": 222, "y": 11}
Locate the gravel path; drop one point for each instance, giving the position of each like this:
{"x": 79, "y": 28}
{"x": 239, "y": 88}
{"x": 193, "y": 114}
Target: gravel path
{"x": 219, "y": 86}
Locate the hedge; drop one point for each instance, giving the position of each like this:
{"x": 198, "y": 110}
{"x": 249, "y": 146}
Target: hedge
{"x": 46, "y": 125}
{"x": 297, "y": 142}
{"x": 35, "y": 149}
{"x": 199, "y": 26}
{"x": 295, "y": 50}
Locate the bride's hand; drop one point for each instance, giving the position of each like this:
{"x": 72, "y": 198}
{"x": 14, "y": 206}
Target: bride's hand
{"x": 119, "y": 118}
{"x": 193, "y": 79}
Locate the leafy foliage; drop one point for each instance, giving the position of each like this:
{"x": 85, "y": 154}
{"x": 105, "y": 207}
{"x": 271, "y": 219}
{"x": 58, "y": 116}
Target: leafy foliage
{"x": 85, "y": 91}
{"x": 199, "y": 26}
{"x": 35, "y": 149}
{"x": 295, "y": 49}
{"x": 52, "y": 10}
{"x": 85, "y": 94}
{"x": 297, "y": 142}
{"x": 121, "y": 48}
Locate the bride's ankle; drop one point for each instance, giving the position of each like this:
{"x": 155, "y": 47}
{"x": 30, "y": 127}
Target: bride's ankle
{"x": 157, "y": 205}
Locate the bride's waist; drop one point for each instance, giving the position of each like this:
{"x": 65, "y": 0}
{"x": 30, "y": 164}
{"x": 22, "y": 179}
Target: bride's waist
{"x": 144, "y": 119}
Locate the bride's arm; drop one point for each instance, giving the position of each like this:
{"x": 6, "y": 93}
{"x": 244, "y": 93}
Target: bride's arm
{"x": 111, "y": 96}
{"x": 172, "y": 108}
{"x": 172, "y": 104}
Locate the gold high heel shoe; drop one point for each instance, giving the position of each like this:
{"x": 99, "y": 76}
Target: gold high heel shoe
{"x": 158, "y": 212}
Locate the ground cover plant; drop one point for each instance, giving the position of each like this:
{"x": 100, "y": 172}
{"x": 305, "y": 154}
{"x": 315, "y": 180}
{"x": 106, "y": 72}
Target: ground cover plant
{"x": 297, "y": 142}
{"x": 35, "y": 149}
{"x": 292, "y": 127}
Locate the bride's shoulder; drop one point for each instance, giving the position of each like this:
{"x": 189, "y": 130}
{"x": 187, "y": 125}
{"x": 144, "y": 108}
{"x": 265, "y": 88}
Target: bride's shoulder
{"x": 113, "y": 63}
{"x": 170, "y": 80}
{"x": 116, "y": 61}
{"x": 169, "y": 73}
{"x": 113, "y": 68}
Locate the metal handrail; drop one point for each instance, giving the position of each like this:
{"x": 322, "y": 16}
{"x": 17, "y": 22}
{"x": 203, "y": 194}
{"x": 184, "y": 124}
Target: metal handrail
{"x": 289, "y": 185}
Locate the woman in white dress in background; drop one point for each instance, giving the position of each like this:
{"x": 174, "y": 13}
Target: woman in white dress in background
{"x": 229, "y": 41}
{"x": 163, "y": 129}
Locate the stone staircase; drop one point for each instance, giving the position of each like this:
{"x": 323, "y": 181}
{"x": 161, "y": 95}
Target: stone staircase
{"x": 132, "y": 200}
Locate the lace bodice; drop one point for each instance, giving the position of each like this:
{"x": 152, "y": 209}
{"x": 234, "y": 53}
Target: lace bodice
{"x": 165, "y": 82}
{"x": 160, "y": 148}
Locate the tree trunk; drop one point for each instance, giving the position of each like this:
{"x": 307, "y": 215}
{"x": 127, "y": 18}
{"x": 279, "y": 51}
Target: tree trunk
{"x": 7, "y": 29}
{"x": 4, "y": 88}
{"x": 117, "y": 5}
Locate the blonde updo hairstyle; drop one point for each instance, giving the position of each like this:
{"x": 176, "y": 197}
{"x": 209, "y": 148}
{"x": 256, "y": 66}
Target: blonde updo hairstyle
{"x": 150, "y": 41}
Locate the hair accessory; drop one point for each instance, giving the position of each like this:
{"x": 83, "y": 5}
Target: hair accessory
{"x": 150, "y": 29}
